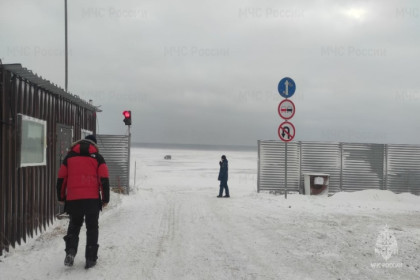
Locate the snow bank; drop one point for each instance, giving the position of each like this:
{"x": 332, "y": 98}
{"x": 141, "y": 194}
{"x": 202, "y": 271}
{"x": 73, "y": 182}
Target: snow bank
{"x": 347, "y": 202}
{"x": 376, "y": 195}
{"x": 378, "y": 200}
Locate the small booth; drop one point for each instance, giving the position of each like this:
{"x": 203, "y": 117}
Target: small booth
{"x": 39, "y": 121}
{"x": 316, "y": 183}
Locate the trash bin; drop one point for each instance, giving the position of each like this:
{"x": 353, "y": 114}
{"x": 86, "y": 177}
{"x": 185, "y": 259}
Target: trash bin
{"x": 316, "y": 183}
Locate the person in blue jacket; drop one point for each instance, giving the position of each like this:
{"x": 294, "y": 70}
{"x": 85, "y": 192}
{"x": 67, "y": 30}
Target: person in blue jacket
{"x": 223, "y": 177}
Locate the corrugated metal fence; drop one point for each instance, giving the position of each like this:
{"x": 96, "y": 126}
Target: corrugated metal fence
{"x": 352, "y": 166}
{"x": 115, "y": 148}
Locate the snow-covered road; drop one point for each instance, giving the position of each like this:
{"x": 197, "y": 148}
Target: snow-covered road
{"x": 172, "y": 226}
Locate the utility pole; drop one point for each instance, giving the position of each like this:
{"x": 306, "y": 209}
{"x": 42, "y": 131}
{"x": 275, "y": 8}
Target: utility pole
{"x": 65, "y": 39}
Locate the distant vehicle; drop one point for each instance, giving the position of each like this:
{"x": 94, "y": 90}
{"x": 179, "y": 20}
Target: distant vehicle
{"x": 168, "y": 157}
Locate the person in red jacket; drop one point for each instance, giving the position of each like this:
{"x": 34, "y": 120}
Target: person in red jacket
{"x": 83, "y": 187}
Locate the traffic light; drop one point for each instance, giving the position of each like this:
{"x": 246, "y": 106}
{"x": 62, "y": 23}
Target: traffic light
{"x": 127, "y": 117}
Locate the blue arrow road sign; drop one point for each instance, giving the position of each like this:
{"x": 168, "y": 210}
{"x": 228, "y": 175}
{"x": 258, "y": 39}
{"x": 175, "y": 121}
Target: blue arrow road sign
{"x": 287, "y": 87}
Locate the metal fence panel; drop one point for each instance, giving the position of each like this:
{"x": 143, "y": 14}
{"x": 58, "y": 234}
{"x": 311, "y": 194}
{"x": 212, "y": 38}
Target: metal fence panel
{"x": 271, "y": 166}
{"x": 403, "y": 169}
{"x": 351, "y": 166}
{"x": 322, "y": 158}
{"x": 362, "y": 166}
{"x": 115, "y": 148}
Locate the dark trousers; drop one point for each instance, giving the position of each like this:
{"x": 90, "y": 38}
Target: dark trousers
{"x": 91, "y": 217}
{"x": 223, "y": 185}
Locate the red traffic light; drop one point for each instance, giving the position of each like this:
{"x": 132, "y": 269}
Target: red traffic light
{"x": 127, "y": 114}
{"x": 127, "y": 117}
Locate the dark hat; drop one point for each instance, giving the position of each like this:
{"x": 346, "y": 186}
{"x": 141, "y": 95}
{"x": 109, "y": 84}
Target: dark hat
{"x": 223, "y": 157}
{"x": 91, "y": 138}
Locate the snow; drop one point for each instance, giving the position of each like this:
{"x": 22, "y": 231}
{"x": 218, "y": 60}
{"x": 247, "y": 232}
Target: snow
{"x": 172, "y": 226}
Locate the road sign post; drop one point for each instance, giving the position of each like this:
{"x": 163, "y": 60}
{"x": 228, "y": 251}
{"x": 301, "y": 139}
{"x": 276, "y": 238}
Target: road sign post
{"x": 286, "y": 110}
{"x": 285, "y": 170}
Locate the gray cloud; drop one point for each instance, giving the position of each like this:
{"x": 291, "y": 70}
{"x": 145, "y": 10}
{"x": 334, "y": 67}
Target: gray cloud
{"x": 207, "y": 72}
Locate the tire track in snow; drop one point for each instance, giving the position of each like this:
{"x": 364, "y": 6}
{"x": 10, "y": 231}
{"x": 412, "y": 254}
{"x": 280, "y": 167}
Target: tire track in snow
{"x": 167, "y": 229}
{"x": 165, "y": 236}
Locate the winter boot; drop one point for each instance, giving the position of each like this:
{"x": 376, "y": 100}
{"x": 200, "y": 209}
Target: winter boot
{"x": 72, "y": 243}
{"x": 68, "y": 261}
{"x": 91, "y": 255}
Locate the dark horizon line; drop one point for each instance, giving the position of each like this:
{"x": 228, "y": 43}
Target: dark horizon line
{"x": 190, "y": 145}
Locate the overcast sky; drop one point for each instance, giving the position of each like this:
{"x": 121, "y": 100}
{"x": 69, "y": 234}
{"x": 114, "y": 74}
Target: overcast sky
{"x": 206, "y": 72}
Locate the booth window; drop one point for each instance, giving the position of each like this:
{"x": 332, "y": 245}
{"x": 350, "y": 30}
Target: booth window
{"x": 33, "y": 150}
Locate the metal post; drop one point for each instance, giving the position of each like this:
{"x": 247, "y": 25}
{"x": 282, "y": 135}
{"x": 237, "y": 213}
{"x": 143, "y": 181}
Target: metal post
{"x": 285, "y": 171}
{"x": 65, "y": 39}
{"x": 259, "y": 166}
{"x": 385, "y": 168}
{"x": 135, "y": 172}
{"x": 301, "y": 191}
{"x": 341, "y": 166}
{"x": 129, "y": 152}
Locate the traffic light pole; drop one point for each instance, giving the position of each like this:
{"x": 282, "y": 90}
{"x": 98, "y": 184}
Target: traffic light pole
{"x": 129, "y": 152}
{"x": 127, "y": 121}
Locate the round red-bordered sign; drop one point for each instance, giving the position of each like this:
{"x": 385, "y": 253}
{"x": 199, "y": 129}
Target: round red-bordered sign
{"x": 286, "y": 131}
{"x": 286, "y": 109}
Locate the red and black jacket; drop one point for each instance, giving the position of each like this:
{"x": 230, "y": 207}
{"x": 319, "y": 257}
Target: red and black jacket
{"x": 83, "y": 174}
